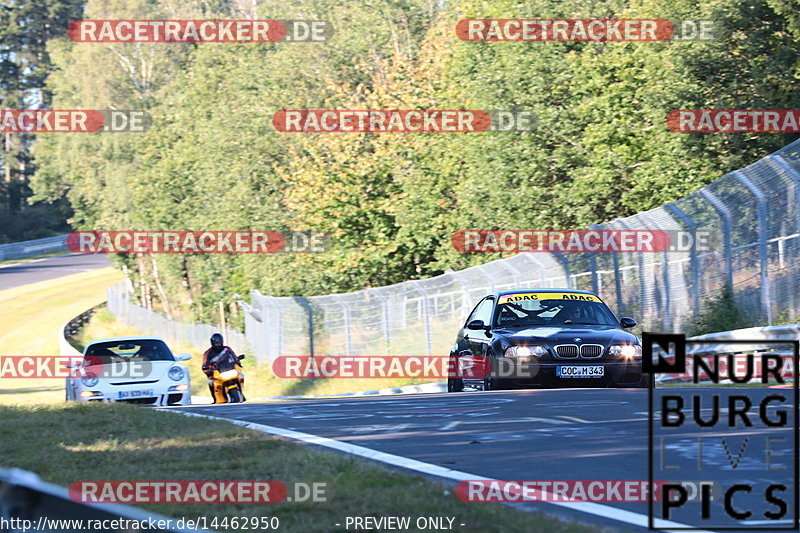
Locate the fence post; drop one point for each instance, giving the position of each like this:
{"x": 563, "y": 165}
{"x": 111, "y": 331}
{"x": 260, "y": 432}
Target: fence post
{"x": 790, "y": 171}
{"x": 640, "y": 267}
{"x": 531, "y": 258}
{"x": 694, "y": 263}
{"x": 664, "y": 278}
{"x": 795, "y": 176}
{"x": 763, "y": 237}
{"x": 425, "y": 314}
{"x": 593, "y": 263}
{"x": 387, "y": 331}
{"x": 565, "y": 264}
{"x": 725, "y": 216}
{"x": 346, "y": 309}
{"x": 304, "y": 304}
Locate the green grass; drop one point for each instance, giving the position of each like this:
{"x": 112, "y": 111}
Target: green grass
{"x": 31, "y": 316}
{"x": 120, "y": 441}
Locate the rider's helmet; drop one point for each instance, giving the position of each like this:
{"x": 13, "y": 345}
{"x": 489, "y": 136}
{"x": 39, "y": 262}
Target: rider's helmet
{"x": 216, "y": 340}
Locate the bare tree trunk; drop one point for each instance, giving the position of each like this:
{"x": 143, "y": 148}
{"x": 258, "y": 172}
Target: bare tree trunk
{"x": 160, "y": 287}
{"x": 186, "y": 282}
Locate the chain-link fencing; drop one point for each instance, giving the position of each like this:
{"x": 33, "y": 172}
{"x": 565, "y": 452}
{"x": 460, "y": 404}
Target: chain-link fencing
{"x": 751, "y": 217}
{"x": 124, "y": 309}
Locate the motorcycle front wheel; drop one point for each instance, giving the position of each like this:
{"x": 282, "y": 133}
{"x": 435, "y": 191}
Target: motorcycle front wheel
{"x": 235, "y": 396}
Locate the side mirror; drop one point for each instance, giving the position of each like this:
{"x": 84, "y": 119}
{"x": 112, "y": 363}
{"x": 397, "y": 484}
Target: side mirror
{"x": 183, "y": 357}
{"x": 627, "y": 322}
{"x": 241, "y": 357}
{"x": 476, "y": 324}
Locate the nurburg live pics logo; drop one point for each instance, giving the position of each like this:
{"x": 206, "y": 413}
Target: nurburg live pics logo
{"x": 753, "y": 489}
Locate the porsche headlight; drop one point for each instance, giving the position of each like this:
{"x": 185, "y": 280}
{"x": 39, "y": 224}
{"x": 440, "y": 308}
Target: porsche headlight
{"x": 525, "y": 351}
{"x": 89, "y": 380}
{"x": 175, "y": 373}
{"x": 628, "y": 351}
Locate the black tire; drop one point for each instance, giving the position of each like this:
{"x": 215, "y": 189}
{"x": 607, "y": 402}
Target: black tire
{"x": 455, "y": 385}
{"x": 490, "y": 384}
{"x": 234, "y": 396}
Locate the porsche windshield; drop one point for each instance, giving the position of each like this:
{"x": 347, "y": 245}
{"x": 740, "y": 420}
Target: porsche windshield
{"x": 553, "y": 312}
{"x": 121, "y": 351}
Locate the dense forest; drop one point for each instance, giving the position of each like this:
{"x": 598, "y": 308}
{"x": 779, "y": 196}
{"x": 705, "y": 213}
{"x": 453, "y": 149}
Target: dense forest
{"x": 212, "y": 160}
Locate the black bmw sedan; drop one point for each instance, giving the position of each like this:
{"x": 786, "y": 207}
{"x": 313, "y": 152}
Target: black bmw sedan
{"x": 546, "y": 338}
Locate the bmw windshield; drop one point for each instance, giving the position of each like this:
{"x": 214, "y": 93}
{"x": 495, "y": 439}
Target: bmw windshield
{"x": 552, "y": 309}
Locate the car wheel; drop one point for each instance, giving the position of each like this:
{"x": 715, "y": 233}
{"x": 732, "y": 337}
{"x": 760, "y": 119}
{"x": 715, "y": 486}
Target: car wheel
{"x": 455, "y": 385}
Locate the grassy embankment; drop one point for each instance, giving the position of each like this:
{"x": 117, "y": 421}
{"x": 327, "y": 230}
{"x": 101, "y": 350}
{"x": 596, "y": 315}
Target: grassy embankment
{"x": 118, "y": 441}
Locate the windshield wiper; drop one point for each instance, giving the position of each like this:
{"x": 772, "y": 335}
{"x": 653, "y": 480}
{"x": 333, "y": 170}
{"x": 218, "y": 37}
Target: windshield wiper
{"x": 569, "y": 322}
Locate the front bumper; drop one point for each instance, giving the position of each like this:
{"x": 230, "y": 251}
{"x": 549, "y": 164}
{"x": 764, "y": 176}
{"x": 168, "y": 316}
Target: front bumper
{"x": 532, "y": 372}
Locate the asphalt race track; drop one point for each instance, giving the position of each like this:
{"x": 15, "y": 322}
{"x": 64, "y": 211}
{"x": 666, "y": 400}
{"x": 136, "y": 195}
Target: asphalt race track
{"x": 17, "y": 274}
{"x": 586, "y": 434}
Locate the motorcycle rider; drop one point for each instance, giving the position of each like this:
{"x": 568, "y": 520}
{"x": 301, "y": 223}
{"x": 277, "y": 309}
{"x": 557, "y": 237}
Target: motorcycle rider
{"x": 216, "y": 353}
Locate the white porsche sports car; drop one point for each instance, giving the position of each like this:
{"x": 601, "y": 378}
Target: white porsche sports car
{"x": 139, "y": 370}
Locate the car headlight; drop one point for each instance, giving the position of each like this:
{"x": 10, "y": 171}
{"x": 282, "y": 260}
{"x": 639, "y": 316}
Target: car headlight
{"x": 628, "y": 351}
{"x": 175, "y": 373}
{"x": 525, "y": 351}
{"x": 89, "y": 380}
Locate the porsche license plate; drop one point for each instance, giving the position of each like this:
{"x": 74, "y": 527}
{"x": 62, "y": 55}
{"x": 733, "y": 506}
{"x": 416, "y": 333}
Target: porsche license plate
{"x": 126, "y": 394}
{"x": 579, "y": 371}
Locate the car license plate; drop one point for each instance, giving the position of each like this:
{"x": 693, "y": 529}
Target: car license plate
{"x": 124, "y": 394}
{"x": 579, "y": 371}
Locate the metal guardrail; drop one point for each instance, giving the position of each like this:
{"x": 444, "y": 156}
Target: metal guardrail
{"x": 716, "y": 342}
{"x": 719, "y": 343}
{"x": 71, "y": 328}
{"x": 26, "y": 500}
{"x": 18, "y": 250}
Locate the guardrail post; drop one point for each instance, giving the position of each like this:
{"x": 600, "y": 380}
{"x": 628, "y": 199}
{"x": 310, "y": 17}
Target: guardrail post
{"x": 763, "y": 237}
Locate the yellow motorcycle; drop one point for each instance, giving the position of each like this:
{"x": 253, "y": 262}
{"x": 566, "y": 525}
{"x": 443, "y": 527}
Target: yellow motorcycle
{"x": 228, "y": 380}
